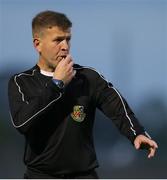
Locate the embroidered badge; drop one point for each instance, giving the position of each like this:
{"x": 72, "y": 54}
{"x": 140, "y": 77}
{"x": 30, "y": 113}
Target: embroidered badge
{"x": 78, "y": 113}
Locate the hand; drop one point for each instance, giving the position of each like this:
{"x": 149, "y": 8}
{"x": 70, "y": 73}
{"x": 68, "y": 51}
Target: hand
{"x": 64, "y": 70}
{"x": 151, "y": 145}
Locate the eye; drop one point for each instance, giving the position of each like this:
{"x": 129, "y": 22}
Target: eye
{"x": 68, "y": 39}
{"x": 58, "y": 40}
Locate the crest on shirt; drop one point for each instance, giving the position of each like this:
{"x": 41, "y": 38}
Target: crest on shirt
{"x": 78, "y": 113}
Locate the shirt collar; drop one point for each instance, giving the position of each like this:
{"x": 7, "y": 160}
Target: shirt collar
{"x": 46, "y": 73}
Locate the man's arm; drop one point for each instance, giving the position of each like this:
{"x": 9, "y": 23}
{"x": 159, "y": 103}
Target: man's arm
{"x": 29, "y": 101}
{"x": 26, "y": 108}
{"x": 114, "y": 106}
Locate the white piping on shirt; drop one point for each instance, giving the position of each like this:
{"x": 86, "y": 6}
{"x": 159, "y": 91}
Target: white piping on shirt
{"x": 35, "y": 113}
{"x": 146, "y": 133}
{"x": 126, "y": 113}
{"x": 22, "y": 94}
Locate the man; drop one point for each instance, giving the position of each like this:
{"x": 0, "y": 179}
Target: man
{"x": 53, "y": 105}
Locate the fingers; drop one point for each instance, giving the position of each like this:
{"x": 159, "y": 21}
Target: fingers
{"x": 154, "y": 144}
{"x": 151, "y": 152}
{"x": 137, "y": 145}
{"x": 67, "y": 59}
{"x": 143, "y": 142}
{"x": 74, "y": 72}
{"x": 68, "y": 62}
{"x": 152, "y": 149}
{"x": 64, "y": 70}
{"x": 138, "y": 142}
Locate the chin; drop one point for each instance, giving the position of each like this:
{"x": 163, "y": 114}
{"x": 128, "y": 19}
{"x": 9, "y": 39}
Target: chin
{"x": 52, "y": 66}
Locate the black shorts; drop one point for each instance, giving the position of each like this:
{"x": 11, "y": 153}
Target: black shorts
{"x": 90, "y": 174}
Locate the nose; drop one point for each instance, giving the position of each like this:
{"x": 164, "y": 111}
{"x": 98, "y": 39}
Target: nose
{"x": 64, "y": 45}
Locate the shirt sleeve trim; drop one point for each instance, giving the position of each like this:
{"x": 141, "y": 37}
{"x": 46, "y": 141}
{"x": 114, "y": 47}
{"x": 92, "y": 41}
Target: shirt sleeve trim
{"x": 23, "y": 99}
{"x": 19, "y": 88}
{"x": 126, "y": 113}
{"x": 60, "y": 95}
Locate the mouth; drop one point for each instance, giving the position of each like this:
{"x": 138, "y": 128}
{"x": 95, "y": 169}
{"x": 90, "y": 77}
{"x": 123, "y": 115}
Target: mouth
{"x": 63, "y": 56}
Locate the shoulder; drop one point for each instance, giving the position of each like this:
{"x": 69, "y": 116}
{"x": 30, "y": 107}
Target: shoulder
{"x": 28, "y": 72}
{"x": 21, "y": 75}
{"x": 88, "y": 71}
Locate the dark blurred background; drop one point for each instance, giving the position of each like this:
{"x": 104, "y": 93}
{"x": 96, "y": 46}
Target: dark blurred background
{"x": 126, "y": 40}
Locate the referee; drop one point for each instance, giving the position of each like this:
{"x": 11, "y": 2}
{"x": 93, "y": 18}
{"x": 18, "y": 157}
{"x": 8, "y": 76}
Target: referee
{"x": 53, "y": 106}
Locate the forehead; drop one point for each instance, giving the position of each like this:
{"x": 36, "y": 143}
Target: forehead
{"x": 56, "y": 31}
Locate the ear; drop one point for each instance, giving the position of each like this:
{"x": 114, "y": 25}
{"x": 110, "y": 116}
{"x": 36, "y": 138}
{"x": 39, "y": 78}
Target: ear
{"x": 37, "y": 44}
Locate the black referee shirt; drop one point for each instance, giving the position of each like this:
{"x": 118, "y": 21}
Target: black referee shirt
{"x": 58, "y": 125}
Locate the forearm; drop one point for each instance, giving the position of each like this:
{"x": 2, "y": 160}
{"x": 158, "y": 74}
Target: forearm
{"x": 114, "y": 106}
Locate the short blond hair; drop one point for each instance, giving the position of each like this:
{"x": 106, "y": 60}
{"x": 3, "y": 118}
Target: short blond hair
{"x": 48, "y": 19}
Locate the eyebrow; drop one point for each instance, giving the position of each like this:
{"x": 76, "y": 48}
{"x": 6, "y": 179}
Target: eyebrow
{"x": 62, "y": 37}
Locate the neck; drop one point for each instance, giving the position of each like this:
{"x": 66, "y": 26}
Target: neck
{"x": 43, "y": 67}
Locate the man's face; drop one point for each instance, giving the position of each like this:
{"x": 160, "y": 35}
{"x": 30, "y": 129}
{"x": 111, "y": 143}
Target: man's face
{"x": 53, "y": 46}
